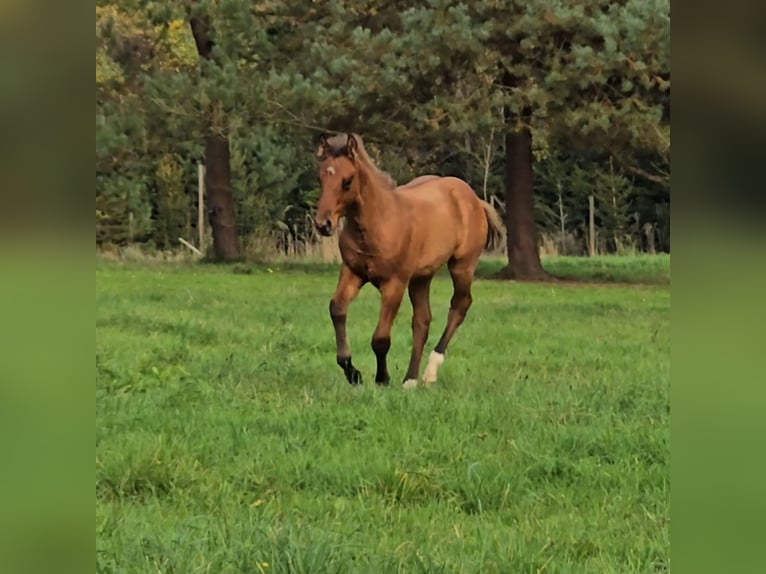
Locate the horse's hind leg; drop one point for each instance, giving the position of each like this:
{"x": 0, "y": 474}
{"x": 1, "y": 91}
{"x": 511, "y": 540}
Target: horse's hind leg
{"x": 462, "y": 277}
{"x": 421, "y": 319}
{"x": 348, "y": 287}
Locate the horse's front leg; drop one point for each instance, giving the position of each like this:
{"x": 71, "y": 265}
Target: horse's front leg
{"x": 349, "y": 285}
{"x": 391, "y": 293}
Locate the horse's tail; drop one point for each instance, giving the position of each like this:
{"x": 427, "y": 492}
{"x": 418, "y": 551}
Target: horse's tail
{"x": 494, "y": 226}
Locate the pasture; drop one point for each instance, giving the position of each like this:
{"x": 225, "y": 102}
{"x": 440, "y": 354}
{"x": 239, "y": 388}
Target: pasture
{"x": 227, "y": 439}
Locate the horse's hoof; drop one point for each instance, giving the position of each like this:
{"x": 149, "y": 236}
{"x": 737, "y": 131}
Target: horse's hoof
{"x": 435, "y": 360}
{"x": 354, "y": 377}
{"x": 410, "y": 384}
{"x": 384, "y": 383}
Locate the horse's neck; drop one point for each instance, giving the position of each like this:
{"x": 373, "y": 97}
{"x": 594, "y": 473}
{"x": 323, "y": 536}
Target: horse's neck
{"x": 375, "y": 211}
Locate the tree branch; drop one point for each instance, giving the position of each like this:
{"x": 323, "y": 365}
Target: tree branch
{"x": 294, "y": 119}
{"x": 661, "y": 178}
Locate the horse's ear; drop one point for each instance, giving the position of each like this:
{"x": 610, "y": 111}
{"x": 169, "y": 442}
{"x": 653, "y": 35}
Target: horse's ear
{"x": 322, "y": 149}
{"x": 351, "y": 146}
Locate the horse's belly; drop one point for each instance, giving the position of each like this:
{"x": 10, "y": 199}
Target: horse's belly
{"x": 428, "y": 264}
{"x": 431, "y": 259}
{"x": 428, "y": 269}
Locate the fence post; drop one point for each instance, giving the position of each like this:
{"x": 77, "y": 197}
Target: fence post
{"x": 201, "y": 205}
{"x": 591, "y": 227}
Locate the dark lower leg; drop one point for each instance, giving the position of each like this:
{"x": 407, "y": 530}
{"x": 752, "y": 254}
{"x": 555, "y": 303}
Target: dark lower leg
{"x": 348, "y": 287}
{"x": 457, "y": 313}
{"x": 353, "y": 376}
{"x": 380, "y": 346}
{"x": 343, "y": 353}
{"x": 462, "y": 277}
{"x": 391, "y": 298}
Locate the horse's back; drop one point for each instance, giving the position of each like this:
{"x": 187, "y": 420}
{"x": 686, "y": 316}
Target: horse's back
{"x": 417, "y": 181}
{"x": 448, "y": 213}
{"x": 443, "y": 192}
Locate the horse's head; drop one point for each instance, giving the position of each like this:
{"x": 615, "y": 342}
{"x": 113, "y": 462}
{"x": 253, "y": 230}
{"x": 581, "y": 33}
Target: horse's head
{"x": 338, "y": 171}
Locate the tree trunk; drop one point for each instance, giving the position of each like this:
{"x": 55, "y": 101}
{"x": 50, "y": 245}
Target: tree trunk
{"x": 217, "y": 167}
{"x": 220, "y": 202}
{"x": 523, "y": 258}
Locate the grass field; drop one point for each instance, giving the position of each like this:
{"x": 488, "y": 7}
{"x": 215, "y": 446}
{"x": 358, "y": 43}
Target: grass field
{"x": 227, "y": 439}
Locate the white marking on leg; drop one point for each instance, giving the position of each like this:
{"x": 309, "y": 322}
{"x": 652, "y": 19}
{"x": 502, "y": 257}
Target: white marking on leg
{"x": 434, "y": 362}
{"x": 410, "y": 384}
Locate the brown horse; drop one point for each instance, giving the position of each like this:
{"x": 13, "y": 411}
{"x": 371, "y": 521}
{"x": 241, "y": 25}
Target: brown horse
{"x": 396, "y": 238}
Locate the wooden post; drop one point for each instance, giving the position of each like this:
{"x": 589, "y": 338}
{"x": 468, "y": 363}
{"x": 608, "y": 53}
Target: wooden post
{"x": 591, "y": 227}
{"x": 189, "y": 245}
{"x": 562, "y": 219}
{"x": 201, "y": 206}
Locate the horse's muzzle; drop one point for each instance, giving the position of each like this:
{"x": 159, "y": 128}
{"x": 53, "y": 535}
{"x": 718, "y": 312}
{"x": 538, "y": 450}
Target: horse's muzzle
{"x": 324, "y": 227}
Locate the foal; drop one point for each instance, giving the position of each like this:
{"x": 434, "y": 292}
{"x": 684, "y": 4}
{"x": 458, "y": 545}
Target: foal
{"x": 396, "y": 239}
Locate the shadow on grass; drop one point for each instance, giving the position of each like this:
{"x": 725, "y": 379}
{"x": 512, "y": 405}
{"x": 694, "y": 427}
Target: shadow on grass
{"x": 607, "y": 269}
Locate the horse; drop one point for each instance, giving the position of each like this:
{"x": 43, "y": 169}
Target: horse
{"x": 397, "y": 238}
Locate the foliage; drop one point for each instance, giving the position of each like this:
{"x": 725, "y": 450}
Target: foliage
{"x": 564, "y": 184}
{"x": 228, "y": 441}
{"x": 425, "y": 83}
{"x": 173, "y": 209}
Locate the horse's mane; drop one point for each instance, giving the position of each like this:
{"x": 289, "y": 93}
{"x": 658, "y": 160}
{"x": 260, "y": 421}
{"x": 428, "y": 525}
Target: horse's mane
{"x": 337, "y": 145}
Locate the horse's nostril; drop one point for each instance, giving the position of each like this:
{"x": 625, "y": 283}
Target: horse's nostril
{"x": 324, "y": 227}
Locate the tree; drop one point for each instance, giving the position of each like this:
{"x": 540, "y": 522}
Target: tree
{"x": 220, "y": 203}
{"x": 124, "y": 50}
{"x": 521, "y": 231}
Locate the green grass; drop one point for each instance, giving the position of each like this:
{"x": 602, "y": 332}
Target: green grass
{"x": 228, "y": 441}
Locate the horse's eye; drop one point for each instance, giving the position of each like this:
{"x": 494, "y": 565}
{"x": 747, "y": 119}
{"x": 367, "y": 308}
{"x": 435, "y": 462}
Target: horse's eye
{"x": 347, "y": 183}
